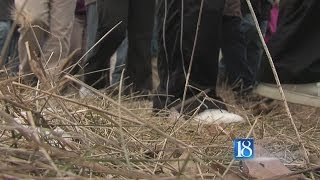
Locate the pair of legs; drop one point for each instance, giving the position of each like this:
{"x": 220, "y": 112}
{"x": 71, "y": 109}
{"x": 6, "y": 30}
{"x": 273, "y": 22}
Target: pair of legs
{"x": 121, "y": 54}
{"x": 54, "y": 16}
{"x": 176, "y": 48}
{"x": 252, "y": 44}
{"x": 136, "y": 18}
{"x": 242, "y": 51}
{"x": 237, "y": 68}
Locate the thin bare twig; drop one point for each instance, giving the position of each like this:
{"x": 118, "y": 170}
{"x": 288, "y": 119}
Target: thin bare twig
{"x": 125, "y": 150}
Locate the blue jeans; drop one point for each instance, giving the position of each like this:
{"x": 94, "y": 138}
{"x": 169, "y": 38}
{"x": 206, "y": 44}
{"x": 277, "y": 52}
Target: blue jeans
{"x": 4, "y": 29}
{"x": 252, "y": 44}
{"x": 11, "y": 56}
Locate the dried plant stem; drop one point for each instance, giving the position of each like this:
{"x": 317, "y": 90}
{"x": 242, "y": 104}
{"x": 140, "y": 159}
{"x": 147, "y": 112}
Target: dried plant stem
{"x": 93, "y": 108}
{"x": 139, "y": 120}
{"x": 123, "y": 144}
{"x": 136, "y": 119}
{"x": 160, "y": 155}
{"x": 31, "y": 135}
{"x": 303, "y": 149}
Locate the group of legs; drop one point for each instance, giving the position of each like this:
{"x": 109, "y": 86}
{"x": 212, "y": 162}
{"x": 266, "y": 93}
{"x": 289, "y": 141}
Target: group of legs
{"x": 176, "y": 39}
{"x": 190, "y": 36}
{"x": 189, "y": 39}
{"x": 129, "y": 16}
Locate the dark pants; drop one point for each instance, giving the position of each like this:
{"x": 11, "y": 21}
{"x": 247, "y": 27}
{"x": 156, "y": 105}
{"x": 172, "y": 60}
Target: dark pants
{"x": 174, "y": 59}
{"x": 252, "y": 44}
{"x": 92, "y": 25}
{"x": 234, "y": 53}
{"x": 137, "y": 18}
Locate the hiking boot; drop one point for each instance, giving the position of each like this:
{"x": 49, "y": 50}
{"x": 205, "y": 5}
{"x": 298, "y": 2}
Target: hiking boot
{"x": 305, "y": 94}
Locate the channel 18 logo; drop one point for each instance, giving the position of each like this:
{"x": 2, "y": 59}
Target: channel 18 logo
{"x": 243, "y": 148}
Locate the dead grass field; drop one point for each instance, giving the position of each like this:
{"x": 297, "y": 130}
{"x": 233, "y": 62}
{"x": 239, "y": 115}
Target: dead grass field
{"x": 47, "y": 136}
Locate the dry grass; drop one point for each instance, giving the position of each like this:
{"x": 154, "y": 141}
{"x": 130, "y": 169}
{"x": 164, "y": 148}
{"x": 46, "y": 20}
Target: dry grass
{"x": 46, "y": 135}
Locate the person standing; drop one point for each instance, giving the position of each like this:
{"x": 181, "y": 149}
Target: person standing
{"x": 234, "y": 60}
{"x": 135, "y": 17}
{"x": 295, "y": 51}
{"x": 252, "y": 44}
{"x": 51, "y": 21}
{"x": 177, "y": 39}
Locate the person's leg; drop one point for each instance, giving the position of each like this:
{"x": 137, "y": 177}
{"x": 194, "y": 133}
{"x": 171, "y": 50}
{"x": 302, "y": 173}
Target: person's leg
{"x": 295, "y": 51}
{"x": 110, "y": 13}
{"x": 253, "y": 44}
{"x": 4, "y": 29}
{"x": 154, "y": 41}
{"x": 38, "y": 15}
{"x": 140, "y": 26}
{"x": 205, "y": 59}
{"x": 234, "y": 56}
{"x": 255, "y": 50}
{"x": 121, "y": 57}
{"x": 204, "y": 70}
{"x": 77, "y": 34}
{"x": 92, "y": 25}
{"x": 57, "y": 47}
{"x": 165, "y": 63}
{"x": 77, "y": 45}
{"x": 154, "y": 53}
{"x": 12, "y": 62}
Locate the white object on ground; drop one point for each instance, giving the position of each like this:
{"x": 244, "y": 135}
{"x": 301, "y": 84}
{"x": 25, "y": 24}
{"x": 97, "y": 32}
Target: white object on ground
{"x": 217, "y": 116}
